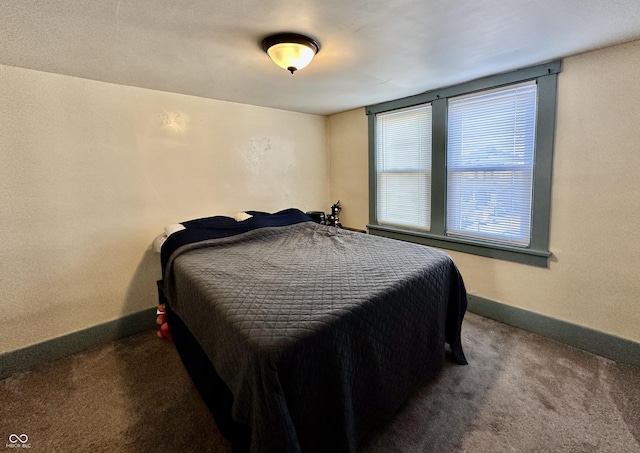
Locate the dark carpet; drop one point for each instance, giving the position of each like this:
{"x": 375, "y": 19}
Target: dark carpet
{"x": 519, "y": 393}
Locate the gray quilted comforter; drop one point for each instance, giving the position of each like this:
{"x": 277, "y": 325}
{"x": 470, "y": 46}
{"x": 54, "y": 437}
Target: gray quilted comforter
{"x": 319, "y": 333}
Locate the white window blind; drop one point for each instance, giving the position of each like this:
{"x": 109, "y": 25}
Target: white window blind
{"x": 403, "y": 167}
{"x": 490, "y": 155}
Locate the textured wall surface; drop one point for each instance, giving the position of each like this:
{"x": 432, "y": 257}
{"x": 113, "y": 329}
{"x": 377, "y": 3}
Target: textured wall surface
{"x": 349, "y": 170}
{"x": 91, "y": 172}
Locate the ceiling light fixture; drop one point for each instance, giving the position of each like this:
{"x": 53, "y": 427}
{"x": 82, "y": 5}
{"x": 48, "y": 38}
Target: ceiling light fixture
{"x": 290, "y": 51}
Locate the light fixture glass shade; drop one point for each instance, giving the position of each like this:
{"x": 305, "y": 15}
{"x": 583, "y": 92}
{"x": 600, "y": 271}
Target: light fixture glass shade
{"x": 290, "y": 51}
{"x": 291, "y": 56}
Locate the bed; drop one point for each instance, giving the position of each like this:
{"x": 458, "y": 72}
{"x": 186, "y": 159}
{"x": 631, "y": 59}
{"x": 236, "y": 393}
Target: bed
{"x": 306, "y": 337}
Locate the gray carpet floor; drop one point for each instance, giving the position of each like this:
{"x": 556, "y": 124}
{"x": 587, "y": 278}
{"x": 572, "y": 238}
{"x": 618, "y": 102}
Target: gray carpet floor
{"x": 519, "y": 393}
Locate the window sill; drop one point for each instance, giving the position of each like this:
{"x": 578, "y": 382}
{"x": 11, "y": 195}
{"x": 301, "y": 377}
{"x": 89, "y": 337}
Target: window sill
{"x": 539, "y": 258}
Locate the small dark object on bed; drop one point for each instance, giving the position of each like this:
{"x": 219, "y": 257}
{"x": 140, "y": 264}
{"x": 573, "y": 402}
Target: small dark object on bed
{"x": 304, "y": 337}
{"x": 317, "y": 216}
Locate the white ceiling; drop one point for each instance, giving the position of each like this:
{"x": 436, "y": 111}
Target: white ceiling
{"x": 371, "y": 50}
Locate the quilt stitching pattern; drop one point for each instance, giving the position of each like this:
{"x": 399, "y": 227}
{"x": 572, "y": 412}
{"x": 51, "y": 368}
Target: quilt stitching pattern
{"x": 358, "y": 306}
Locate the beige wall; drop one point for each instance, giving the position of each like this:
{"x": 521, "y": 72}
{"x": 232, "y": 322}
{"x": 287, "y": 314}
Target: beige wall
{"x": 594, "y": 276}
{"x": 91, "y": 172}
{"x": 348, "y": 149}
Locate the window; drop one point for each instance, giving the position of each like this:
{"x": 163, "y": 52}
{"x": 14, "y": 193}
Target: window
{"x": 403, "y": 167}
{"x": 490, "y": 164}
{"x": 468, "y": 168}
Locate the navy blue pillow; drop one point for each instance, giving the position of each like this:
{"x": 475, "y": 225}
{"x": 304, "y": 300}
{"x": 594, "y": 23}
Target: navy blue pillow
{"x": 220, "y": 226}
{"x": 218, "y": 221}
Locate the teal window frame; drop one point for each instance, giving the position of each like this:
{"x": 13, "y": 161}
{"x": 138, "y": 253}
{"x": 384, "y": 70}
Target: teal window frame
{"x": 537, "y": 252}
